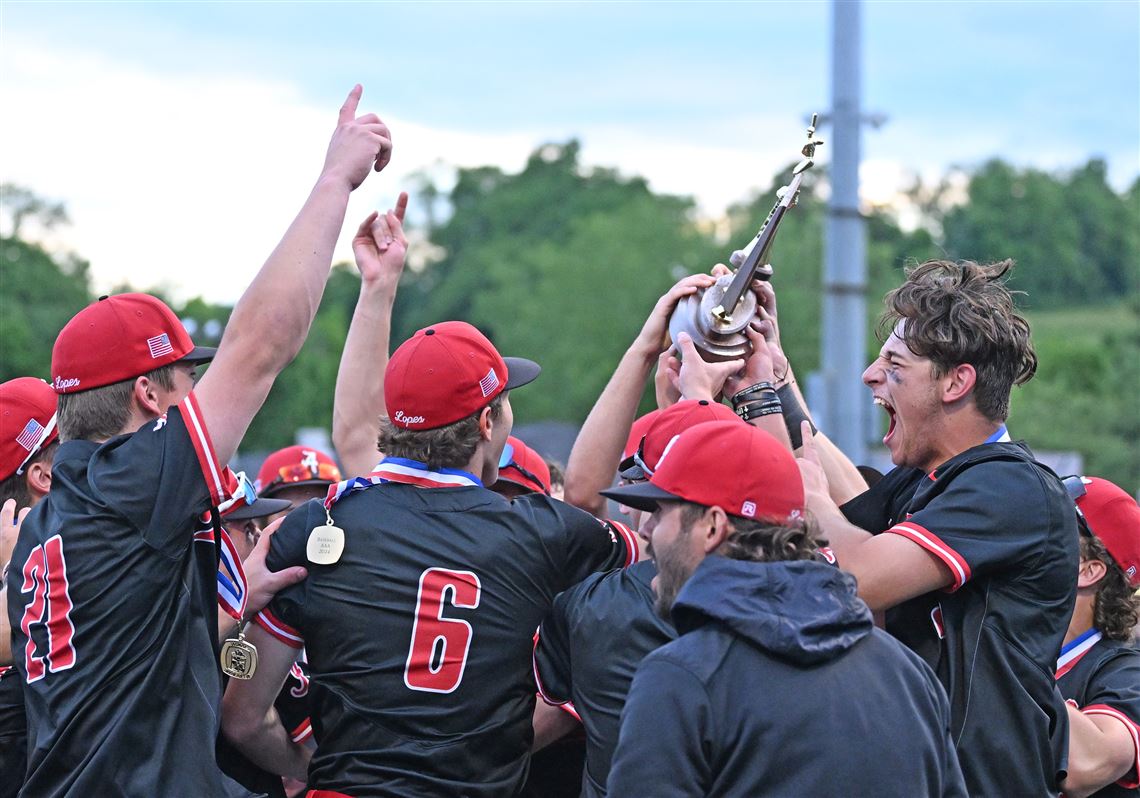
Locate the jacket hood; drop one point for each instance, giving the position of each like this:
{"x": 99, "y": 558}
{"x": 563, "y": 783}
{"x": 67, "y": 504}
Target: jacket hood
{"x": 802, "y": 611}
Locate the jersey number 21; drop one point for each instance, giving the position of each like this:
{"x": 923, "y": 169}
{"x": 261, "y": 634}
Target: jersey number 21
{"x": 45, "y": 577}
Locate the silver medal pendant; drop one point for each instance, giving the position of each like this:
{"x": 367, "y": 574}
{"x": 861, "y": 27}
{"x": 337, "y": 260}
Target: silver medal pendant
{"x": 239, "y": 658}
{"x": 326, "y": 544}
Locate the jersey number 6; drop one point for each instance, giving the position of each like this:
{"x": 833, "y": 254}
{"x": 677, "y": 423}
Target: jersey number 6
{"x": 438, "y": 652}
{"x": 45, "y": 577}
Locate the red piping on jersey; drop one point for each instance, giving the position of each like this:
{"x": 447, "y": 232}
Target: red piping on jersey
{"x": 570, "y": 710}
{"x": 959, "y": 568}
{"x": 204, "y": 448}
{"x": 538, "y": 679}
{"x": 303, "y": 731}
{"x": 279, "y": 629}
{"x": 1133, "y": 730}
{"x": 629, "y": 538}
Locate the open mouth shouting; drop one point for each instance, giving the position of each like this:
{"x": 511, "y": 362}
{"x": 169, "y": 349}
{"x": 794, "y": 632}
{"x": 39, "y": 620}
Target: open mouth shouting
{"x": 881, "y": 402}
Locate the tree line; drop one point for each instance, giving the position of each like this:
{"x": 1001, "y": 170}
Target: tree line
{"x": 561, "y": 263}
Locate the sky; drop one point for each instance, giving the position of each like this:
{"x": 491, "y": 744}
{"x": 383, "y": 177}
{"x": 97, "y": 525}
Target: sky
{"x": 183, "y": 137}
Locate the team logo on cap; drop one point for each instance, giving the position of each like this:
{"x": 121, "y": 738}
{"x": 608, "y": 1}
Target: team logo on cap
{"x": 62, "y": 384}
{"x": 31, "y": 435}
{"x": 489, "y": 383}
{"x": 400, "y": 418}
{"x": 159, "y": 346}
{"x": 748, "y": 509}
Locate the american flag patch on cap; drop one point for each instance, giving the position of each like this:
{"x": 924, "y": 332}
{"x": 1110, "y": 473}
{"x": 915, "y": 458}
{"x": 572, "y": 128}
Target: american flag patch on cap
{"x": 31, "y": 435}
{"x": 489, "y": 383}
{"x": 159, "y": 345}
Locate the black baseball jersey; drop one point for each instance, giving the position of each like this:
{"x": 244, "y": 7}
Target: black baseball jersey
{"x": 114, "y": 617}
{"x": 13, "y": 733}
{"x": 1103, "y": 677}
{"x": 588, "y": 650}
{"x": 1005, "y": 528}
{"x": 914, "y": 622}
{"x": 292, "y": 707}
{"x": 420, "y": 637}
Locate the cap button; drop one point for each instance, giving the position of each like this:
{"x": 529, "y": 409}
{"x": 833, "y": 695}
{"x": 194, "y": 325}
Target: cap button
{"x": 105, "y": 296}
{"x": 703, "y": 402}
{"x": 429, "y": 332}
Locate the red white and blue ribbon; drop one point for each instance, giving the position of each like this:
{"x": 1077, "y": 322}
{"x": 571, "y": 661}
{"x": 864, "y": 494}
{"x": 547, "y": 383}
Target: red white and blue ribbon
{"x": 1000, "y": 435}
{"x": 407, "y": 472}
{"x": 1072, "y": 651}
{"x": 232, "y": 586}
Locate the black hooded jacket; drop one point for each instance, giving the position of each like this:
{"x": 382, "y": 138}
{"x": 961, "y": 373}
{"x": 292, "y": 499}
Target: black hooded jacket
{"x": 780, "y": 685}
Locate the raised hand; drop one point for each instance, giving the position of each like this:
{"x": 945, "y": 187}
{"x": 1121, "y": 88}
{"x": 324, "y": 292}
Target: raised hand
{"x": 698, "y": 379}
{"x": 811, "y": 469}
{"x": 380, "y": 245}
{"x": 757, "y": 368}
{"x": 666, "y": 378}
{"x": 358, "y": 144}
{"x": 654, "y": 333}
{"x": 10, "y": 522}
{"x": 768, "y": 326}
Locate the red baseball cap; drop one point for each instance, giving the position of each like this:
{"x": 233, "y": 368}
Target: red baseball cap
{"x": 734, "y": 466}
{"x": 637, "y": 432}
{"x": 118, "y": 338}
{"x": 1114, "y": 517}
{"x": 447, "y": 372}
{"x": 27, "y": 422}
{"x": 666, "y": 425}
{"x": 524, "y": 466}
{"x": 295, "y": 466}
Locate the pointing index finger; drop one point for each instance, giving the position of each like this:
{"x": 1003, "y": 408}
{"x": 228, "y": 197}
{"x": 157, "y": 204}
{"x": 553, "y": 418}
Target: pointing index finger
{"x": 348, "y": 110}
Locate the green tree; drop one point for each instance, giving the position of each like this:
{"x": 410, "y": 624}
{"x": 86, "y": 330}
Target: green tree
{"x": 39, "y": 293}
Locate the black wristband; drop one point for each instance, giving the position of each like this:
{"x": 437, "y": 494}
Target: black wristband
{"x": 760, "y": 387}
{"x": 765, "y": 407}
{"x": 793, "y": 415}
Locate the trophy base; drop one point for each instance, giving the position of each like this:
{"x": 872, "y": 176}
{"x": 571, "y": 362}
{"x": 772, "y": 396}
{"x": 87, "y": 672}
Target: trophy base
{"x": 716, "y": 338}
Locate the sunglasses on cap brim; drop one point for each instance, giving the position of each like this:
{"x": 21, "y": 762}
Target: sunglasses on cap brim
{"x": 506, "y": 460}
{"x": 298, "y": 472}
{"x": 634, "y": 468}
{"x": 1075, "y": 487}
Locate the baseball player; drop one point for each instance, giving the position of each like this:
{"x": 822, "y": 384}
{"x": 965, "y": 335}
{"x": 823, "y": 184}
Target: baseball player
{"x": 294, "y": 475}
{"x": 1099, "y": 667}
{"x": 778, "y": 684}
{"x": 423, "y": 594}
{"x": 28, "y": 441}
{"x": 521, "y": 470}
{"x": 988, "y": 525}
{"x": 242, "y": 522}
{"x": 111, "y": 598}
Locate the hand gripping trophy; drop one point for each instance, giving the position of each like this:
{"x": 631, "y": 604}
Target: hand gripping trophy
{"x": 716, "y": 318}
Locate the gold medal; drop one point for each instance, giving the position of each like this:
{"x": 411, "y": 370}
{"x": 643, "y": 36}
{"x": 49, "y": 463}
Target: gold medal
{"x": 239, "y": 658}
{"x": 326, "y": 543}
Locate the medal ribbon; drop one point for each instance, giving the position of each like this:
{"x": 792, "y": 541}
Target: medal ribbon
{"x": 1072, "y": 651}
{"x": 408, "y": 472}
{"x": 232, "y": 588}
{"x": 1001, "y": 435}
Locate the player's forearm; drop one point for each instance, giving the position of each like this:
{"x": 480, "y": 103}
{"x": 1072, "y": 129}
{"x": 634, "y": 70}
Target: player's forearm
{"x": 267, "y": 745}
{"x": 843, "y": 478}
{"x": 1100, "y": 752}
{"x": 774, "y": 425}
{"x": 359, "y": 400}
{"x": 597, "y": 450}
{"x": 227, "y": 626}
{"x": 272, "y": 319}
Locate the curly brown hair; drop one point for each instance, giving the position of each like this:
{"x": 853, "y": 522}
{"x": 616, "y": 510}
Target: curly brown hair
{"x": 450, "y": 446}
{"x": 763, "y": 541}
{"x": 963, "y": 313}
{"x": 1116, "y": 608}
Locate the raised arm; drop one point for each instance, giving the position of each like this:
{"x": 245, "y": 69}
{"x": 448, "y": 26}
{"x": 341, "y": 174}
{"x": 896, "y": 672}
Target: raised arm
{"x": 1102, "y": 750}
{"x": 597, "y": 450}
{"x": 889, "y": 569}
{"x": 379, "y": 248}
{"x": 844, "y": 480}
{"x": 273, "y": 316}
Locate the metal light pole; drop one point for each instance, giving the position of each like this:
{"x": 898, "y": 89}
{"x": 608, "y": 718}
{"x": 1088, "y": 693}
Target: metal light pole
{"x": 845, "y": 400}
